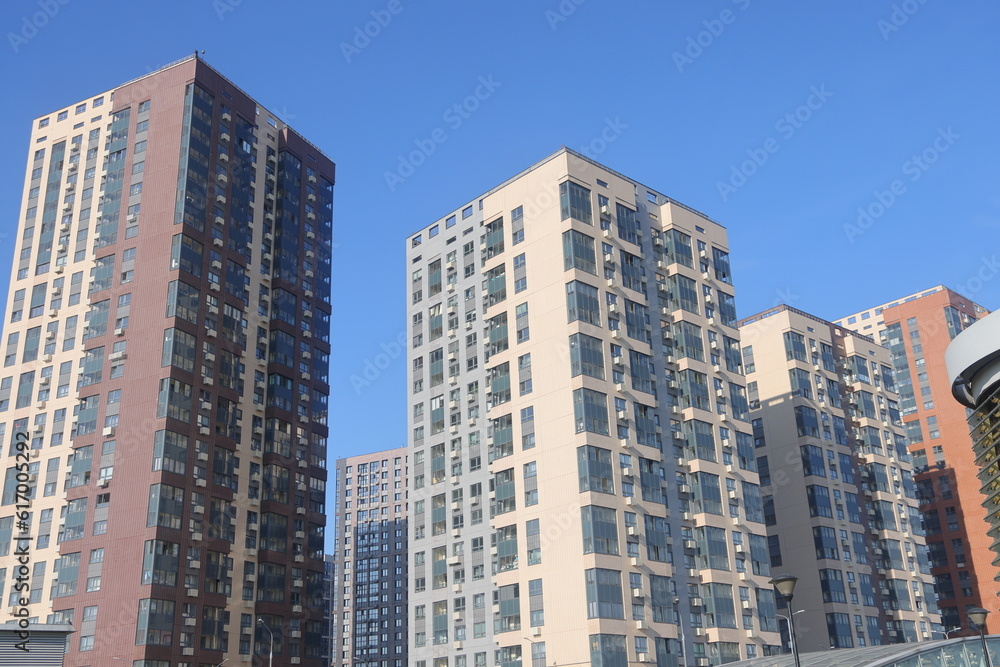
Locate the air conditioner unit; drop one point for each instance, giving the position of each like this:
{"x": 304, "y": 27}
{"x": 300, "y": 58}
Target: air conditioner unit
{"x": 108, "y": 431}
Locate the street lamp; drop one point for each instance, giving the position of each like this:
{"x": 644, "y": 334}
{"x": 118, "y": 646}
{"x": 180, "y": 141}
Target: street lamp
{"x": 978, "y": 617}
{"x": 270, "y": 652}
{"x": 785, "y": 585}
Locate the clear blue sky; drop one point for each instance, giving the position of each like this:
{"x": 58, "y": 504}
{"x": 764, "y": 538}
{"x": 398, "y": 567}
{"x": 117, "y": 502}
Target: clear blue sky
{"x": 886, "y": 95}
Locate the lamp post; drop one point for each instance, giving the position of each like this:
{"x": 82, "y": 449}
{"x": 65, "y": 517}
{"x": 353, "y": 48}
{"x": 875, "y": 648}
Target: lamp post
{"x": 785, "y": 585}
{"x": 270, "y": 652}
{"x": 978, "y": 617}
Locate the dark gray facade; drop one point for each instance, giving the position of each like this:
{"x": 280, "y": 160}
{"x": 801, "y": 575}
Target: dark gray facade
{"x": 368, "y": 579}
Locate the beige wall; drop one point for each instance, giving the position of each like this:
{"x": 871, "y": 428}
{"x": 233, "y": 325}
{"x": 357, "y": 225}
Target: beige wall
{"x": 566, "y": 626}
{"x": 788, "y": 484}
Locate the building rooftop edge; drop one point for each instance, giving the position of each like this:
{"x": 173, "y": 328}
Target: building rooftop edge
{"x": 565, "y": 150}
{"x": 201, "y": 59}
{"x": 373, "y": 453}
{"x": 913, "y": 297}
{"x": 785, "y": 307}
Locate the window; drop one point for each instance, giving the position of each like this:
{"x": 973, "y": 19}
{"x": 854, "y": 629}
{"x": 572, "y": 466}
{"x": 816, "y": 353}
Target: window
{"x": 813, "y": 462}
{"x": 833, "y": 585}
{"x": 586, "y": 356}
{"x": 494, "y": 239}
{"x": 825, "y": 541}
{"x": 574, "y": 202}
{"x": 578, "y": 252}
{"x": 507, "y": 598}
{"x": 806, "y": 421}
{"x": 795, "y": 346}
{"x": 600, "y": 530}
{"x": 594, "y": 467}
{"x": 609, "y": 651}
{"x": 582, "y": 303}
{"x": 590, "y": 410}
{"x": 819, "y": 501}
{"x": 604, "y": 593}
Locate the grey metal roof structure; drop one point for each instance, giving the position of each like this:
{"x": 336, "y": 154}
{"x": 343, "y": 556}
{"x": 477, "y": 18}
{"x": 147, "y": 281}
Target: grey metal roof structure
{"x": 45, "y": 647}
{"x": 959, "y": 652}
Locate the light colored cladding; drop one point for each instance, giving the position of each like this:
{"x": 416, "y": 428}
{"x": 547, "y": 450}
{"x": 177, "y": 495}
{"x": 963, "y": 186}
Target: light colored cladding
{"x": 40, "y": 413}
{"x": 774, "y": 389}
{"x": 559, "y": 496}
{"x": 436, "y": 249}
{"x": 562, "y": 565}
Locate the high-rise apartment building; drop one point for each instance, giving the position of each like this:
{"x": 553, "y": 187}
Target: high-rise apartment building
{"x": 973, "y": 360}
{"x": 167, "y": 342}
{"x": 839, "y": 496}
{"x": 917, "y": 329}
{"x": 370, "y": 587}
{"x": 583, "y": 478}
